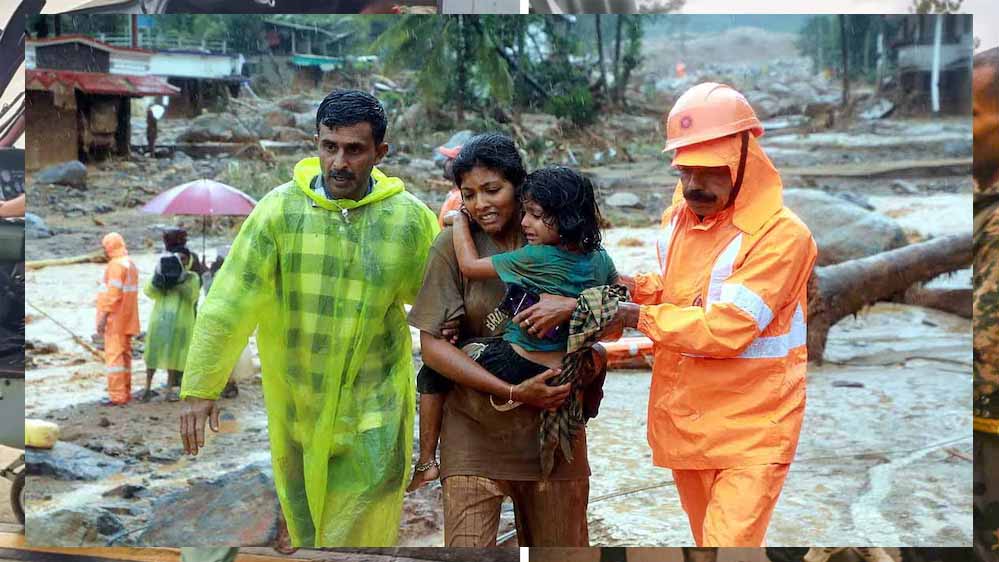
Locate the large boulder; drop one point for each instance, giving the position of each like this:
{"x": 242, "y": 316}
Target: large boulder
{"x": 81, "y": 526}
{"x": 305, "y": 121}
{"x": 624, "y": 199}
{"x": 842, "y": 229}
{"x": 259, "y": 128}
{"x": 213, "y": 127}
{"x": 72, "y": 173}
{"x": 35, "y": 227}
{"x": 290, "y": 134}
{"x": 299, "y": 105}
{"x": 67, "y": 461}
{"x": 240, "y": 506}
{"x": 280, "y": 118}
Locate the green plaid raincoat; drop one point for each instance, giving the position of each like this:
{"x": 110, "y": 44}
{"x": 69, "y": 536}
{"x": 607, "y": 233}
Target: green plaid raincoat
{"x": 326, "y": 294}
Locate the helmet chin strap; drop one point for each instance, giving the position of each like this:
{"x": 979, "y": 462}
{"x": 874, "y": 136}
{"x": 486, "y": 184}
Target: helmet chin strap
{"x": 741, "y": 172}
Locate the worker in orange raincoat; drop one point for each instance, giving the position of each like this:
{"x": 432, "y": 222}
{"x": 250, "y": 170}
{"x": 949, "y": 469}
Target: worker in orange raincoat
{"x": 118, "y": 317}
{"x": 726, "y": 313}
{"x": 453, "y": 201}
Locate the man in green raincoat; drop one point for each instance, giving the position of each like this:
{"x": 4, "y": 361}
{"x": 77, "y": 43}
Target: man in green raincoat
{"x": 322, "y": 267}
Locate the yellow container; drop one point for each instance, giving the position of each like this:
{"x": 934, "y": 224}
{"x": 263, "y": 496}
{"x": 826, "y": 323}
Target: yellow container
{"x": 40, "y": 433}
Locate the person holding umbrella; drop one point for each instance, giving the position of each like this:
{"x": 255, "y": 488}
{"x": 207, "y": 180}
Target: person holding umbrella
{"x": 175, "y": 242}
{"x": 174, "y": 288}
{"x": 322, "y": 268}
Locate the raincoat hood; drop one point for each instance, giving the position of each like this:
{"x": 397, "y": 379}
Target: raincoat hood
{"x": 309, "y": 168}
{"x": 759, "y": 198}
{"x": 114, "y": 245}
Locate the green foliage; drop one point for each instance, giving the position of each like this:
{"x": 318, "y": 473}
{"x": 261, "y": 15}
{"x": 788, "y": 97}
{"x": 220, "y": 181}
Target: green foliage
{"x": 821, "y": 41}
{"x": 256, "y": 179}
{"x": 455, "y": 58}
{"x": 577, "y": 105}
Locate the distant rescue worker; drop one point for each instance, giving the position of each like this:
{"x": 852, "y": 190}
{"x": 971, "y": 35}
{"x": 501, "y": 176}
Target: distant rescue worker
{"x": 985, "y": 100}
{"x": 453, "y": 201}
{"x": 118, "y": 317}
{"x": 175, "y": 289}
{"x": 153, "y": 115}
{"x": 725, "y": 310}
{"x": 321, "y": 269}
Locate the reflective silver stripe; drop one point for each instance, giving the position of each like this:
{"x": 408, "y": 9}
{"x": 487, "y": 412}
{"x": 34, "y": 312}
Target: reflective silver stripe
{"x": 665, "y": 238}
{"x": 722, "y": 270}
{"x": 130, "y": 288}
{"x": 115, "y": 283}
{"x": 749, "y": 302}
{"x": 117, "y": 369}
{"x": 775, "y": 347}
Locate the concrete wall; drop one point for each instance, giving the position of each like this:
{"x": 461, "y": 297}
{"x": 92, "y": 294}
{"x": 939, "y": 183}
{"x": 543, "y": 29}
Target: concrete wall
{"x": 190, "y": 65}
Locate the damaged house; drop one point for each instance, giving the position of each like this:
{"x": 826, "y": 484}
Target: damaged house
{"x": 78, "y": 98}
{"x": 934, "y": 61}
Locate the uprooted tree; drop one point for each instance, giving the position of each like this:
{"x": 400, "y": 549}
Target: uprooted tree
{"x": 839, "y": 290}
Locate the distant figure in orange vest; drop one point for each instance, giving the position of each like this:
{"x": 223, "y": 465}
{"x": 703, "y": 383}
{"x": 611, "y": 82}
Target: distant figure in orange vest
{"x": 681, "y": 70}
{"x": 453, "y": 201}
{"x": 118, "y": 318}
{"x": 725, "y": 310}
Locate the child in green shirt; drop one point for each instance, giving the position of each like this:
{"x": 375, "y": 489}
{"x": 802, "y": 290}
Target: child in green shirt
{"x": 563, "y": 256}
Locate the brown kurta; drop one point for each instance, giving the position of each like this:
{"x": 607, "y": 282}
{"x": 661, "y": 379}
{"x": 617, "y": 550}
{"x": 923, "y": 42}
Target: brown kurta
{"x": 476, "y": 439}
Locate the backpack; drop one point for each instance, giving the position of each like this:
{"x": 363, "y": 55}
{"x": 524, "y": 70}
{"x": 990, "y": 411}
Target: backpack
{"x": 169, "y": 272}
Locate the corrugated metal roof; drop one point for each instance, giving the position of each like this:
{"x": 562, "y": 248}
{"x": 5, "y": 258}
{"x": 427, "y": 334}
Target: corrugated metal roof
{"x": 99, "y": 83}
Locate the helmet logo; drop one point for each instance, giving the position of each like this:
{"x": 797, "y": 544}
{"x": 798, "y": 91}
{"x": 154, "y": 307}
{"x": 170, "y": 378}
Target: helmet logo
{"x": 686, "y": 122}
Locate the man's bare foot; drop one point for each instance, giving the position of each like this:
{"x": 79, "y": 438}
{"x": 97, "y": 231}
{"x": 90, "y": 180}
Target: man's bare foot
{"x": 146, "y": 395}
{"x": 431, "y": 471}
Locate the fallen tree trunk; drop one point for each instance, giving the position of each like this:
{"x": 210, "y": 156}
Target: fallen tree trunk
{"x": 836, "y": 291}
{"x": 97, "y": 256}
{"x": 954, "y": 301}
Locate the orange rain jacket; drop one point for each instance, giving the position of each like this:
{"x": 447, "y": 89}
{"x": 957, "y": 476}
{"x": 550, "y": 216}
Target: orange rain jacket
{"x": 120, "y": 295}
{"x": 726, "y": 313}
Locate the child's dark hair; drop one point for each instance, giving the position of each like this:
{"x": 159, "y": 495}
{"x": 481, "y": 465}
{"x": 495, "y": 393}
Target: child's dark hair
{"x": 569, "y": 203}
{"x": 493, "y": 151}
{"x": 343, "y": 108}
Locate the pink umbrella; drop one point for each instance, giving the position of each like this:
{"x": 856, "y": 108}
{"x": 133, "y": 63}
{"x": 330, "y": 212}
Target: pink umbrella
{"x": 203, "y": 198}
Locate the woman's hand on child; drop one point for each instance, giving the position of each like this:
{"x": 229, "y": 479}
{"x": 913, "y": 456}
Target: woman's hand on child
{"x": 550, "y": 311}
{"x": 449, "y": 330}
{"x": 536, "y": 392}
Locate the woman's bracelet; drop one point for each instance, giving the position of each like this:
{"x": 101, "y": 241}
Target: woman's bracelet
{"x": 423, "y": 467}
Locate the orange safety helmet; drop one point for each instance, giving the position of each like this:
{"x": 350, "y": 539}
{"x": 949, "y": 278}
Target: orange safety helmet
{"x": 709, "y": 111}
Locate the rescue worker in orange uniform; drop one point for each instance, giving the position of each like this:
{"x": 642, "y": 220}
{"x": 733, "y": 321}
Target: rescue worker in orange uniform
{"x": 726, "y": 313}
{"x": 453, "y": 200}
{"x": 118, "y": 317}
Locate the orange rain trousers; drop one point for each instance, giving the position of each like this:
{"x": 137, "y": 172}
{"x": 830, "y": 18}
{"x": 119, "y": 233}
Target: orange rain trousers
{"x": 730, "y": 506}
{"x": 119, "y": 300}
{"x": 118, "y": 364}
